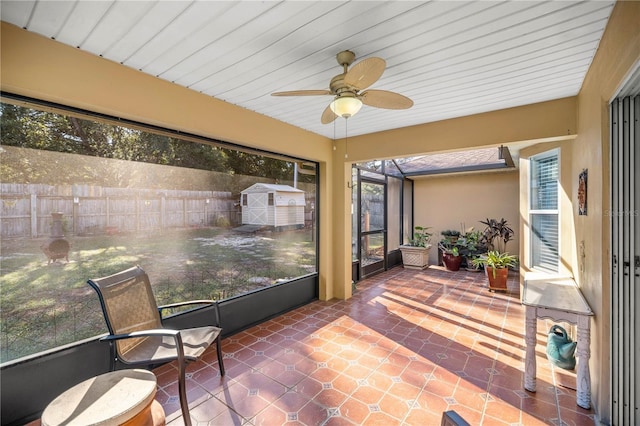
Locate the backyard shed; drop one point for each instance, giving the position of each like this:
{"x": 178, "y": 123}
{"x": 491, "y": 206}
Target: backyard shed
{"x": 273, "y": 205}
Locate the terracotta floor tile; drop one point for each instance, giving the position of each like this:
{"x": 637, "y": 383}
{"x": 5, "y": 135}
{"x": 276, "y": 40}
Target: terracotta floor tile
{"x": 244, "y": 401}
{"x": 395, "y": 406}
{"x": 330, "y": 397}
{"x": 345, "y": 384}
{"x": 419, "y": 416}
{"x": 354, "y": 410}
{"x": 272, "y": 416}
{"x": 380, "y": 419}
{"x": 324, "y": 375}
{"x": 208, "y": 410}
{"x": 367, "y": 394}
{"x": 312, "y": 414}
{"x": 406, "y": 347}
{"x": 504, "y": 411}
{"x": 308, "y": 387}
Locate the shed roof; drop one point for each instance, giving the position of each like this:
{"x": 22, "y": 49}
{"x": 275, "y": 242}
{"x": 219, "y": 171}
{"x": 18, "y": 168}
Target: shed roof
{"x": 271, "y": 187}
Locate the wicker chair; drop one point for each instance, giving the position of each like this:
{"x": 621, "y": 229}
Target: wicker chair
{"x": 136, "y": 333}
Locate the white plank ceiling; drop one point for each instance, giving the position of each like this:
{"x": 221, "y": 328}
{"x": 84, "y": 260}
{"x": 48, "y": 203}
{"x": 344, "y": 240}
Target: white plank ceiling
{"x": 452, "y": 58}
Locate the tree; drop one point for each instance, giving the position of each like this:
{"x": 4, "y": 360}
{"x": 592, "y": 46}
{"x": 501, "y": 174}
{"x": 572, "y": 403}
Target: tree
{"x": 50, "y": 131}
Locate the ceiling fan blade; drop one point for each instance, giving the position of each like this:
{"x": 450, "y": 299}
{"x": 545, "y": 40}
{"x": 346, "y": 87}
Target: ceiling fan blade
{"x": 328, "y": 115}
{"x": 385, "y": 99}
{"x": 303, "y": 93}
{"x": 365, "y": 73}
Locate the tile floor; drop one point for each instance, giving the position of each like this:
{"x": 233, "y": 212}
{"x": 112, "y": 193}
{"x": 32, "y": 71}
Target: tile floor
{"x": 406, "y": 347}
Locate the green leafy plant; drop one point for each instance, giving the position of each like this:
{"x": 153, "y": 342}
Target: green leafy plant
{"x": 448, "y": 247}
{"x": 470, "y": 243}
{"x": 496, "y": 260}
{"x": 421, "y": 237}
{"x": 450, "y": 233}
{"x": 497, "y": 234}
{"x": 449, "y": 242}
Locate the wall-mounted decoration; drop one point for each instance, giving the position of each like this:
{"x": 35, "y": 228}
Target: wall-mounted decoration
{"x": 582, "y": 193}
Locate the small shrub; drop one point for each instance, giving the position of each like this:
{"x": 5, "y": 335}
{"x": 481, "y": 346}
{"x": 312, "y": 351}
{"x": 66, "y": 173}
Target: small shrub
{"x": 222, "y": 222}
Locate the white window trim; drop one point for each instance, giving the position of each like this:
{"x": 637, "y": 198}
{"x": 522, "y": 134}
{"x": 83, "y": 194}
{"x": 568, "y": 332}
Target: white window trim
{"x": 530, "y": 212}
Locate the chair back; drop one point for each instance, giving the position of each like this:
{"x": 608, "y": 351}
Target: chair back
{"x": 128, "y": 305}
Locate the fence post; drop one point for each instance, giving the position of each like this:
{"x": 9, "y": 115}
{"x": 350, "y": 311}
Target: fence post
{"x": 137, "y": 212}
{"x": 76, "y": 214}
{"x": 185, "y": 222}
{"x": 163, "y": 211}
{"x": 34, "y": 215}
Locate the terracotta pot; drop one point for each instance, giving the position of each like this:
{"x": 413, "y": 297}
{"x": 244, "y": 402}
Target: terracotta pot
{"x": 451, "y": 262}
{"x": 499, "y": 281}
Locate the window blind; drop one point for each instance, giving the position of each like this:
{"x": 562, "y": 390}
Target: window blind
{"x": 544, "y": 212}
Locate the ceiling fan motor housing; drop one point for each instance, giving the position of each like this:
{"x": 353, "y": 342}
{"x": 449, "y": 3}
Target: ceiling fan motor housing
{"x": 338, "y": 86}
{"x": 346, "y": 58}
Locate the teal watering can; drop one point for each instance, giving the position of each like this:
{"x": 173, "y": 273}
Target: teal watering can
{"x": 560, "y": 348}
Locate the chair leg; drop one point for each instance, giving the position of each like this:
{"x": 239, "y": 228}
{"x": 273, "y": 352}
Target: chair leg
{"x": 112, "y": 361}
{"x": 219, "y": 350}
{"x": 182, "y": 391}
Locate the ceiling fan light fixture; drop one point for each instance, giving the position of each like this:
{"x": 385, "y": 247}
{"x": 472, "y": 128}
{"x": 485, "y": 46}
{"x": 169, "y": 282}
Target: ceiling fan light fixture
{"x": 346, "y": 106}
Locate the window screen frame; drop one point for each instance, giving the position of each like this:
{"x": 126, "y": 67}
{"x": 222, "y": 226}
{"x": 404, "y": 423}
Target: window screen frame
{"x": 535, "y": 211}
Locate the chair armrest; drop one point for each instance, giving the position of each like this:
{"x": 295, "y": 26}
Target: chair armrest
{"x": 150, "y": 333}
{"x": 143, "y": 333}
{"x": 186, "y": 303}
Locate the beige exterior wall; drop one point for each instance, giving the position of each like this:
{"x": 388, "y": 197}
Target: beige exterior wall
{"x": 618, "y": 53}
{"x": 448, "y": 202}
{"x": 565, "y": 219}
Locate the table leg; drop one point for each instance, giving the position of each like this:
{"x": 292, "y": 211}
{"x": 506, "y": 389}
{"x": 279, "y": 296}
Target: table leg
{"x": 583, "y": 376}
{"x": 531, "y": 328}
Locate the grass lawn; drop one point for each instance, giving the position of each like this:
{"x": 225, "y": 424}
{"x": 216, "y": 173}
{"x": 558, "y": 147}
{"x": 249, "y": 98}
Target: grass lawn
{"x": 47, "y": 305}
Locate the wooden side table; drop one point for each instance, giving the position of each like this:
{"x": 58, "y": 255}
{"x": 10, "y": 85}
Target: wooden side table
{"x": 558, "y": 299}
{"x": 115, "y": 398}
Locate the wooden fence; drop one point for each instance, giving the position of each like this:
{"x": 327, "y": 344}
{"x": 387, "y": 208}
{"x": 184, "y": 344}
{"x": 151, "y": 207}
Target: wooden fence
{"x": 25, "y": 209}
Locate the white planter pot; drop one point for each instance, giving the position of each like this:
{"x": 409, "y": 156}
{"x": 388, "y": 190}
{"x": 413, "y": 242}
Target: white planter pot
{"x": 415, "y": 257}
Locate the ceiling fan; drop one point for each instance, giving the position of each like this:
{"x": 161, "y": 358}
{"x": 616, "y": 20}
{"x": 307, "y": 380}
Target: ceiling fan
{"x": 346, "y": 88}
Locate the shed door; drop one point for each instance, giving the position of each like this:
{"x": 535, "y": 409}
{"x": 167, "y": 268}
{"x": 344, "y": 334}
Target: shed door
{"x": 258, "y": 213}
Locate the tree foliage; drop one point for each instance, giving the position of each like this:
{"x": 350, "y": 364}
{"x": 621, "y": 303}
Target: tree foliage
{"x": 49, "y": 131}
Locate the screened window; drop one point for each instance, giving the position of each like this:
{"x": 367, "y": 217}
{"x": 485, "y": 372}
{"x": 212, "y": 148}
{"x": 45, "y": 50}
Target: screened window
{"x": 82, "y": 198}
{"x": 543, "y": 211}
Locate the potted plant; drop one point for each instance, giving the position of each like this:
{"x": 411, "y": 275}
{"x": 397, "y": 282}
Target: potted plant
{"x": 451, "y": 257}
{"x": 497, "y": 234}
{"x": 497, "y": 266}
{"x": 450, "y": 250}
{"x": 415, "y": 255}
{"x": 471, "y": 246}
{"x": 450, "y": 235}
{"x": 497, "y": 260}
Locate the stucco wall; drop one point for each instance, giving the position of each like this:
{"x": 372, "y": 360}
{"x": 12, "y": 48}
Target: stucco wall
{"x": 451, "y": 201}
{"x": 618, "y": 52}
{"x": 565, "y": 206}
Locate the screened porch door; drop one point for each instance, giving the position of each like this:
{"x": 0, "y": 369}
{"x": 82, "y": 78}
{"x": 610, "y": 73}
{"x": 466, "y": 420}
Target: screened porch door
{"x": 372, "y": 226}
{"x": 625, "y": 261}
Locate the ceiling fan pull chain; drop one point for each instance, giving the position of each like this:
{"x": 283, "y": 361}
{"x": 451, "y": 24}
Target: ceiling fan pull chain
{"x": 346, "y": 138}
